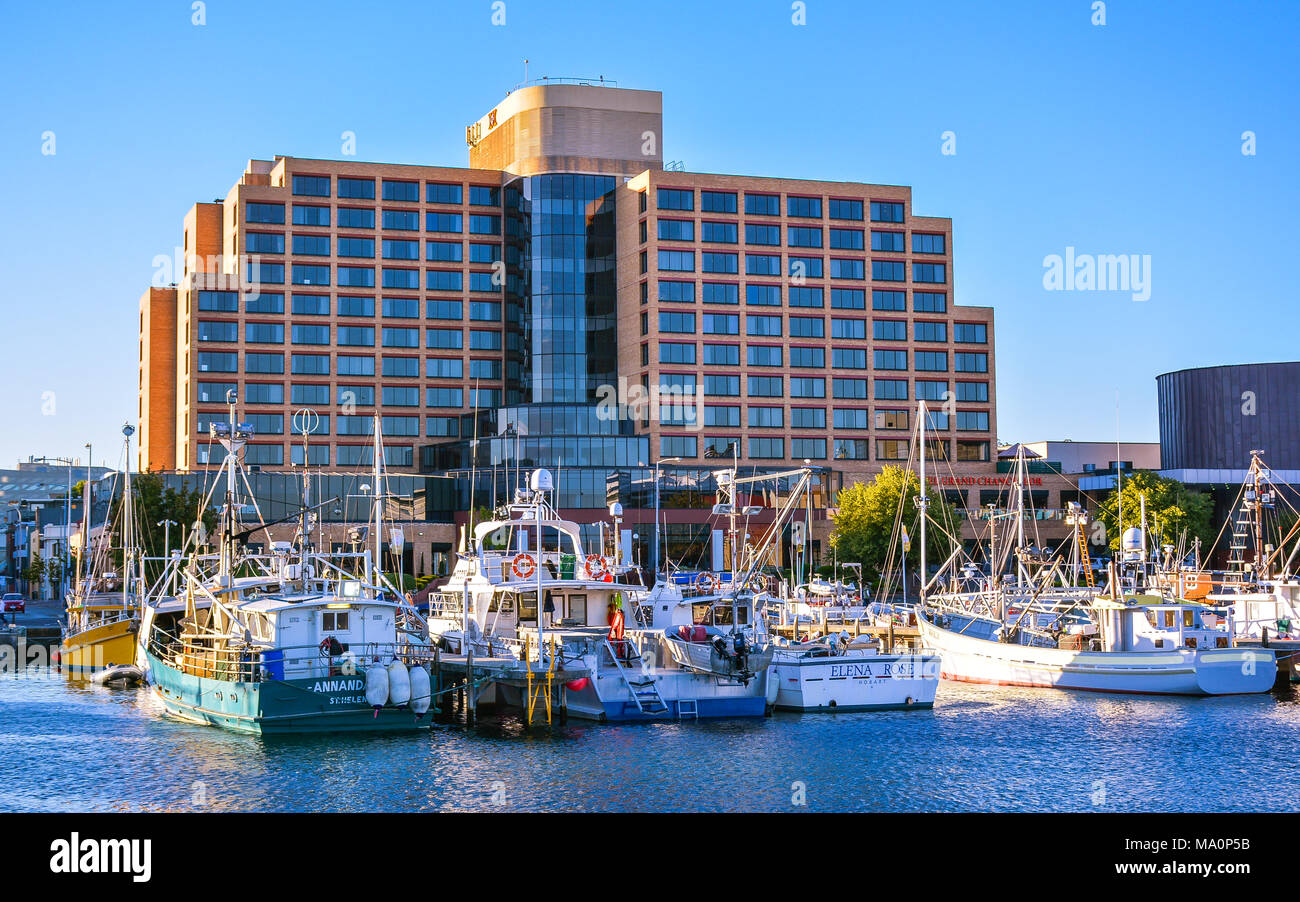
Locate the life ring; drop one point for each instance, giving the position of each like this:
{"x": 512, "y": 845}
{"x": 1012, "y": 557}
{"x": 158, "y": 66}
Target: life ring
{"x": 523, "y": 566}
{"x": 595, "y": 566}
{"x": 704, "y": 582}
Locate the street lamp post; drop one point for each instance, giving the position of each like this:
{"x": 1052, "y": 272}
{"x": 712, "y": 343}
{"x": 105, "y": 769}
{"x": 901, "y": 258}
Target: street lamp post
{"x": 655, "y": 556}
{"x": 167, "y": 536}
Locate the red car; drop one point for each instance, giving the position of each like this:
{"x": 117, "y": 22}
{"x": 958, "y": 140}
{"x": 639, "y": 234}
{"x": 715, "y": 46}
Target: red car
{"x": 13, "y": 603}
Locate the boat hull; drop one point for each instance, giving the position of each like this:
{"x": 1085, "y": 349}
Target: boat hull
{"x": 870, "y": 683}
{"x": 276, "y": 707}
{"x": 607, "y": 699}
{"x": 92, "y": 650}
{"x": 1217, "y": 671}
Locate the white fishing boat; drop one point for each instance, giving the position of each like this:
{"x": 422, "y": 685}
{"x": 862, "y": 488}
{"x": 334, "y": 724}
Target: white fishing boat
{"x": 844, "y": 673}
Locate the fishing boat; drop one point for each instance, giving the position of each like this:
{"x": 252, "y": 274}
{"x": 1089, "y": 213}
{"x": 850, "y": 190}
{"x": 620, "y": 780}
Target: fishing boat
{"x": 525, "y": 587}
{"x": 296, "y": 641}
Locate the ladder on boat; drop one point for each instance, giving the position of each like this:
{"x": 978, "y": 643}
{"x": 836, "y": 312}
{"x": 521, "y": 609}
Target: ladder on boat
{"x": 1083, "y": 556}
{"x": 687, "y": 707}
{"x": 643, "y": 686}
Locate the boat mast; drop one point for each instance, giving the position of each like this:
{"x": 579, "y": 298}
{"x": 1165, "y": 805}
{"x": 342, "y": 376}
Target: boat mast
{"x": 377, "y": 513}
{"x": 128, "y": 535}
{"x": 922, "y": 505}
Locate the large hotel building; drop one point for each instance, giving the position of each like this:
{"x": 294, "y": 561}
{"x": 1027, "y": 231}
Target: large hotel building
{"x": 490, "y": 313}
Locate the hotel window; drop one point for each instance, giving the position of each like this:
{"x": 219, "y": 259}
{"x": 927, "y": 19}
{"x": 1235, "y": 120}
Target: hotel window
{"x": 722, "y": 386}
{"x": 357, "y": 189}
{"x": 408, "y": 279}
{"x": 263, "y": 455}
{"x": 481, "y": 224}
{"x": 310, "y": 364}
{"x": 394, "y": 337}
{"x": 973, "y": 391}
{"x": 407, "y": 221}
{"x": 311, "y": 335}
{"x": 923, "y": 331}
{"x": 439, "y": 222}
{"x": 849, "y": 389}
{"x": 400, "y": 426}
{"x": 272, "y": 273}
{"x": 309, "y": 394}
{"x": 718, "y": 232}
{"x": 808, "y": 418}
{"x": 807, "y": 327}
{"x": 676, "y": 230}
{"x": 937, "y": 449}
{"x": 484, "y": 340}
{"x": 215, "y": 392}
{"x": 392, "y": 249}
{"x": 848, "y": 328}
{"x": 890, "y": 360}
{"x": 214, "y": 362}
{"x": 678, "y": 292}
{"x": 443, "y": 280}
{"x": 219, "y": 301}
{"x": 970, "y": 362}
{"x": 484, "y": 253}
{"x": 218, "y": 331}
{"x": 804, "y": 207}
{"x": 928, "y": 244}
{"x": 849, "y": 358}
{"x": 444, "y": 251}
{"x": 891, "y": 419}
{"x": 767, "y": 448}
{"x": 352, "y": 365}
{"x": 851, "y": 418}
{"x": 722, "y": 355}
{"x": 807, "y": 387}
{"x": 720, "y": 293}
{"x": 888, "y": 300}
{"x": 644, "y": 266}
{"x": 891, "y": 390}
{"x": 440, "y": 193}
{"x": 353, "y": 218}
{"x": 847, "y": 269}
{"x": 970, "y": 333}
{"x": 850, "y": 449}
{"x": 307, "y": 274}
{"x": 931, "y": 390}
{"x": 805, "y": 267}
{"x": 845, "y": 209}
{"x": 763, "y": 355}
{"x": 259, "y": 393}
{"x": 722, "y": 415}
{"x": 442, "y": 427}
{"x": 808, "y": 448}
{"x": 355, "y": 455}
{"x": 808, "y": 358}
{"x": 483, "y": 282}
{"x": 762, "y": 234}
{"x": 767, "y": 417}
{"x": 356, "y": 336}
{"x": 677, "y": 445}
{"x": 848, "y": 298}
{"x": 264, "y": 363}
{"x": 444, "y": 368}
{"x": 401, "y": 396}
{"x": 929, "y": 301}
{"x": 887, "y": 241}
{"x": 763, "y": 264}
{"x": 931, "y": 361}
{"x": 348, "y": 247}
{"x": 972, "y": 451}
{"x": 443, "y": 396}
{"x": 929, "y": 272}
{"x": 356, "y": 277}
{"x": 267, "y": 213}
{"x": 405, "y": 192}
{"x": 269, "y": 243}
{"x": 765, "y": 387}
{"x": 762, "y": 325}
{"x": 720, "y": 324}
{"x": 846, "y": 239}
{"x": 888, "y": 330}
{"x": 641, "y": 201}
{"x": 973, "y": 420}
{"x": 891, "y": 449}
{"x": 402, "y": 367}
{"x": 266, "y": 302}
{"x": 720, "y": 446}
{"x": 762, "y": 204}
{"x": 671, "y": 321}
{"x": 348, "y": 305}
{"x": 718, "y": 201}
{"x": 484, "y": 311}
{"x": 676, "y": 352}
{"x": 264, "y": 333}
{"x": 763, "y": 295}
{"x": 676, "y": 199}
{"x": 350, "y": 425}
{"x": 307, "y": 215}
{"x": 677, "y": 261}
{"x": 805, "y": 296}
{"x": 799, "y": 236}
{"x": 718, "y": 262}
{"x": 317, "y": 455}
{"x": 439, "y": 309}
{"x": 886, "y": 212}
{"x": 888, "y": 271}
{"x": 485, "y": 369}
{"x": 484, "y": 196}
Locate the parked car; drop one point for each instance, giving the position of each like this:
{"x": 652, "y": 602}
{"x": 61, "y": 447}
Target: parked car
{"x": 13, "y": 603}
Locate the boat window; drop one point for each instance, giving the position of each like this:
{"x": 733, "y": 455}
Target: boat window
{"x": 1169, "y": 620}
{"x": 578, "y": 608}
{"x": 528, "y": 606}
{"x": 1187, "y": 617}
{"x": 334, "y": 621}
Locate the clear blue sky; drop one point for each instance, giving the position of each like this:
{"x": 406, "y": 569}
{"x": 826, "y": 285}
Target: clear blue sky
{"x": 1115, "y": 139}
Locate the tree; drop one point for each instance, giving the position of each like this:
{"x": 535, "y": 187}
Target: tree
{"x": 34, "y": 572}
{"x": 864, "y": 521}
{"x": 1171, "y": 508}
{"x": 155, "y": 503}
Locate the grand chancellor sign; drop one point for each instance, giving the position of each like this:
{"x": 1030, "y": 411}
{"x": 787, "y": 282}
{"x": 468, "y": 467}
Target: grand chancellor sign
{"x": 1002, "y": 481}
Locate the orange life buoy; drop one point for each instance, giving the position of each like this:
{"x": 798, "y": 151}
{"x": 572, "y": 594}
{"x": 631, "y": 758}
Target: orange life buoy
{"x": 523, "y": 566}
{"x": 595, "y": 566}
{"x": 704, "y": 582}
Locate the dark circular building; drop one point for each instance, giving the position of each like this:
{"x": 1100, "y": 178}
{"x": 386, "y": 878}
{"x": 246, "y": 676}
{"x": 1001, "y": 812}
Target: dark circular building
{"x": 1212, "y": 417}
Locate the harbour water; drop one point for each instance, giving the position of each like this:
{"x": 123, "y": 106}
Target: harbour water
{"x": 77, "y": 747}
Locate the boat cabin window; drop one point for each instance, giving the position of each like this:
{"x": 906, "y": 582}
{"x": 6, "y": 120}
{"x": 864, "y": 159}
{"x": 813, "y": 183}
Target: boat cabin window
{"x": 577, "y": 611}
{"x": 334, "y": 621}
{"x": 717, "y": 615}
{"x": 1187, "y": 618}
{"x": 528, "y": 606}
{"x": 1169, "y": 619}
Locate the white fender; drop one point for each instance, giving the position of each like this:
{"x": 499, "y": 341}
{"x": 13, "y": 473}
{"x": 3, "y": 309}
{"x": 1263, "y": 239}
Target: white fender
{"x": 773, "y": 685}
{"x": 421, "y": 690}
{"x": 377, "y": 685}
{"x": 399, "y": 684}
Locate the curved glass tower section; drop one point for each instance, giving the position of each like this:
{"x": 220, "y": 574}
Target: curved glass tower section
{"x": 561, "y": 286}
